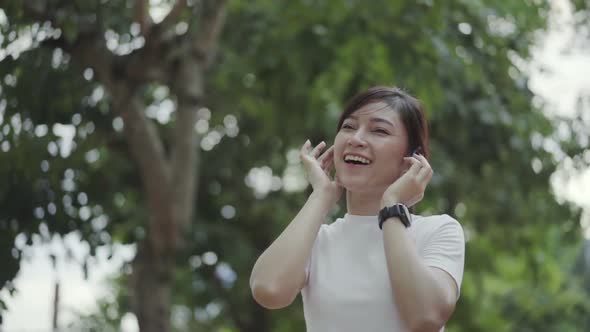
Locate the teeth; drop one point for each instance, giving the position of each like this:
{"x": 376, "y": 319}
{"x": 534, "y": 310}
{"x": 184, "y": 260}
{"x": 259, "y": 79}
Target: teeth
{"x": 356, "y": 158}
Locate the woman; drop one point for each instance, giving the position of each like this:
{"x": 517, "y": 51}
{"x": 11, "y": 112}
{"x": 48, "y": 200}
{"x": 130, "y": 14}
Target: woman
{"x": 378, "y": 268}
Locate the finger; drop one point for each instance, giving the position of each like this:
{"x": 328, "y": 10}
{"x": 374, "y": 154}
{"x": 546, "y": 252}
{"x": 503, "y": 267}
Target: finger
{"x": 327, "y": 154}
{"x": 424, "y": 175}
{"x": 328, "y": 167}
{"x": 318, "y": 149}
{"x": 412, "y": 160}
{"x": 305, "y": 147}
{"x": 426, "y": 172}
{"x": 422, "y": 159}
{"x": 416, "y": 165}
{"x": 407, "y": 163}
{"x": 328, "y": 160}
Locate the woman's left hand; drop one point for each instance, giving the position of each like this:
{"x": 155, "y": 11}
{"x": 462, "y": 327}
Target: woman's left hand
{"x": 409, "y": 188}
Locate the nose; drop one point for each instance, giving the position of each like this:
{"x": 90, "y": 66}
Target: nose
{"x": 357, "y": 140}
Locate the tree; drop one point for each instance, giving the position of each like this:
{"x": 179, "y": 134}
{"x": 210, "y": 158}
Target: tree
{"x": 68, "y": 43}
{"x": 492, "y": 147}
{"x": 283, "y": 73}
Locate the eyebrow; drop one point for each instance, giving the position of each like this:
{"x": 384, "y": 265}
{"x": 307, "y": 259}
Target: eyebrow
{"x": 381, "y": 120}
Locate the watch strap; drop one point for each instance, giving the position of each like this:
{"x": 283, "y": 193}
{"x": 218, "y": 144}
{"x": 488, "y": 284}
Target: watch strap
{"x": 398, "y": 210}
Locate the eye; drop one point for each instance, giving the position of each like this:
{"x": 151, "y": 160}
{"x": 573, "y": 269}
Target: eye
{"x": 381, "y": 131}
{"x": 347, "y": 126}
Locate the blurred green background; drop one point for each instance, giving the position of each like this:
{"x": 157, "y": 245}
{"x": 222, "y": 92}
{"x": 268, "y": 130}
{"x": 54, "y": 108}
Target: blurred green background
{"x": 173, "y": 127}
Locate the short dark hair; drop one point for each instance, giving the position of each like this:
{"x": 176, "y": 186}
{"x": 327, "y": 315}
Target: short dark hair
{"x": 409, "y": 108}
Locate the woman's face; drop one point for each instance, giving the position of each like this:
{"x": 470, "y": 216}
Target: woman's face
{"x": 369, "y": 149}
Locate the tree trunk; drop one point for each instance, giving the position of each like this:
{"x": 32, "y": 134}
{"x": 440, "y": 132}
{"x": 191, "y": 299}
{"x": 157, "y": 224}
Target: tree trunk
{"x": 170, "y": 183}
{"x": 151, "y": 280}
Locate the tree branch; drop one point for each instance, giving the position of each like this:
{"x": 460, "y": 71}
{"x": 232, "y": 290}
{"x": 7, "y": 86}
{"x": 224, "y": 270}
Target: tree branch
{"x": 188, "y": 87}
{"x": 211, "y": 25}
{"x": 87, "y": 50}
{"x": 37, "y": 11}
{"x": 172, "y": 17}
{"x": 185, "y": 160}
{"x": 160, "y": 33}
{"x": 144, "y": 65}
{"x": 142, "y": 16}
{"x": 151, "y": 62}
{"x": 148, "y": 151}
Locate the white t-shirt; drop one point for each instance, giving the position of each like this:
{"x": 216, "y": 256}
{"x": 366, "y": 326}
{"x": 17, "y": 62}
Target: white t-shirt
{"x": 347, "y": 287}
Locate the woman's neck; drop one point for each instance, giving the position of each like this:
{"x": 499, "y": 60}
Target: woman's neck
{"x": 363, "y": 204}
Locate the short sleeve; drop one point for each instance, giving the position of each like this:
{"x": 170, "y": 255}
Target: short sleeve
{"x": 445, "y": 249}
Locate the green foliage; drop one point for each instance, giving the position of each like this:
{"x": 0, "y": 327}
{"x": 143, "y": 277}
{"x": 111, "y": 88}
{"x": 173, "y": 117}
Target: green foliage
{"x": 284, "y": 72}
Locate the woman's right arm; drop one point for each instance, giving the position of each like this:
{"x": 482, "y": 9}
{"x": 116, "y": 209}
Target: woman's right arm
{"x": 279, "y": 273}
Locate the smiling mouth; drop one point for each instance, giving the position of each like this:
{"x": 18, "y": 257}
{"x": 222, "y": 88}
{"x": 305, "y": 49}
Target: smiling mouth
{"x": 356, "y": 160}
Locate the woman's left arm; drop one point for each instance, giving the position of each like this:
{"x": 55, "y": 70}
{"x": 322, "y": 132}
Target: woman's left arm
{"x": 425, "y": 296}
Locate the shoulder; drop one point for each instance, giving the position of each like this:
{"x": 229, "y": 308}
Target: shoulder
{"x": 328, "y": 234}
{"x": 435, "y": 221}
{"x": 428, "y": 226}
{"x": 331, "y": 228}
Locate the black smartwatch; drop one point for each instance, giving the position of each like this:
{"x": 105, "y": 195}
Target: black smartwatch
{"x": 398, "y": 210}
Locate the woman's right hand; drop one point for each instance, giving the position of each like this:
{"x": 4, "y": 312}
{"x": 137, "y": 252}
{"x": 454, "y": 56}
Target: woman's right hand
{"x": 318, "y": 167}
